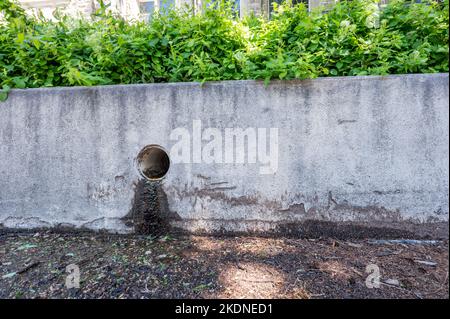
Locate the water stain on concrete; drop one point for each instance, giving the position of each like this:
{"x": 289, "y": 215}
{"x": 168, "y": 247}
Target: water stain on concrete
{"x": 150, "y": 213}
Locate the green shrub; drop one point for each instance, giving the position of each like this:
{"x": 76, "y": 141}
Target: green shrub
{"x": 352, "y": 38}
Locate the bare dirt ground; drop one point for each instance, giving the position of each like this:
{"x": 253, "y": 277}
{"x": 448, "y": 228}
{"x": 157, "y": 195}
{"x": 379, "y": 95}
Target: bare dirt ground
{"x": 33, "y": 265}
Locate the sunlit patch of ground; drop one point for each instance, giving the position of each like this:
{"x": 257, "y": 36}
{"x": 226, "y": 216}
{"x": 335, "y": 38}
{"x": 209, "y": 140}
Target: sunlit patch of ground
{"x": 250, "y": 280}
{"x": 255, "y": 280}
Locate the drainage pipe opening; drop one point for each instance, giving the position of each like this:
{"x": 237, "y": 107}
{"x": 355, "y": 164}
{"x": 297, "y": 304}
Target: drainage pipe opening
{"x": 153, "y": 162}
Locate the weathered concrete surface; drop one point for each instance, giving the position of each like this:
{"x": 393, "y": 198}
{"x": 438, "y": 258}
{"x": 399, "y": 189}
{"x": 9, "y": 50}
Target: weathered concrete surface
{"x": 371, "y": 150}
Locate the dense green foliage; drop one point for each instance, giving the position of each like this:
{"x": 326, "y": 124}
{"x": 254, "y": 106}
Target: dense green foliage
{"x": 352, "y": 38}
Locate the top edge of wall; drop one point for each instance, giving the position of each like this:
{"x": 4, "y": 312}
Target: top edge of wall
{"x": 231, "y": 83}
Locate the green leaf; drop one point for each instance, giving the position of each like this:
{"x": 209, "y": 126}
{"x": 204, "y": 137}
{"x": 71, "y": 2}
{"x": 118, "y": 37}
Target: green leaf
{"x": 37, "y": 43}
{"x": 20, "y": 37}
{"x": 19, "y": 82}
{"x": 3, "y": 96}
{"x": 4, "y": 93}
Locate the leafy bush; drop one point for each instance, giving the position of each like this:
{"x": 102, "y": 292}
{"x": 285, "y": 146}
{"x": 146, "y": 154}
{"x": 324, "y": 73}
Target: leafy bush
{"x": 352, "y": 38}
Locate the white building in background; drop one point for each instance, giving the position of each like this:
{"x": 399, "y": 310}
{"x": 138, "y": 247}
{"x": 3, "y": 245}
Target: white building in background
{"x": 142, "y": 9}
{"x": 127, "y": 8}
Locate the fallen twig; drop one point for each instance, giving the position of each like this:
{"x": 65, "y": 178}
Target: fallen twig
{"x": 404, "y": 241}
{"x": 28, "y": 267}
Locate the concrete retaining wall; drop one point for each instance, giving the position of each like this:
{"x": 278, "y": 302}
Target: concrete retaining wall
{"x": 356, "y": 149}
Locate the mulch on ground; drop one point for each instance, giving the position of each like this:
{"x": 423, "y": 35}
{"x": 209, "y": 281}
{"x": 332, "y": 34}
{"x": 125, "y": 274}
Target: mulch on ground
{"x": 34, "y": 265}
